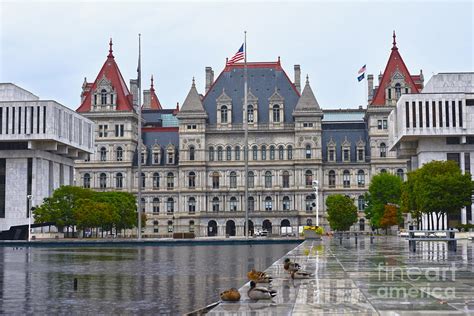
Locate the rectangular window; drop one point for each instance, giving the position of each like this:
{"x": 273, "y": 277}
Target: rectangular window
{"x": 454, "y": 157}
{"x": 467, "y": 162}
{"x": 332, "y": 155}
{"x": 420, "y": 112}
{"x": 453, "y": 109}
{"x": 460, "y": 113}
{"x": 360, "y": 154}
{"x": 19, "y": 120}
{"x": 433, "y": 110}
{"x": 13, "y": 120}
{"x": 379, "y": 124}
{"x": 32, "y": 109}
{"x": 346, "y": 154}
{"x": 117, "y": 132}
{"x": 427, "y": 113}
{"x": 446, "y": 107}
{"x": 384, "y": 124}
{"x": 413, "y": 109}
{"x": 2, "y": 187}
{"x": 440, "y": 113}
{"x": 44, "y": 121}
{"x": 469, "y": 102}
{"x": 407, "y": 114}
{"x": 1, "y": 120}
{"x": 37, "y": 120}
{"x": 389, "y": 93}
{"x": 452, "y": 140}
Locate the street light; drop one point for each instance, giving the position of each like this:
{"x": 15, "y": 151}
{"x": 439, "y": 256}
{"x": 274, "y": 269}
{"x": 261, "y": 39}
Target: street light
{"x": 29, "y": 197}
{"x": 315, "y": 188}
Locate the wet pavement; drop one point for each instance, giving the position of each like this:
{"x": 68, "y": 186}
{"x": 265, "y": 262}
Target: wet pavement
{"x": 383, "y": 278}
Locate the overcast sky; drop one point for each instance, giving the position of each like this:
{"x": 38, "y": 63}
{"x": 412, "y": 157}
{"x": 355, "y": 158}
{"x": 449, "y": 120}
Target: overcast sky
{"x": 49, "y": 47}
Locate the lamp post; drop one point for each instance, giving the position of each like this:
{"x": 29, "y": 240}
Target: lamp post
{"x": 29, "y": 197}
{"x": 316, "y": 188}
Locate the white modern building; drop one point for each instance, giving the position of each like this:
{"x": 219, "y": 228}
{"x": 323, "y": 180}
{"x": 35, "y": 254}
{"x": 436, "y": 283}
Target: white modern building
{"x": 437, "y": 124}
{"x": 39, "y": 141}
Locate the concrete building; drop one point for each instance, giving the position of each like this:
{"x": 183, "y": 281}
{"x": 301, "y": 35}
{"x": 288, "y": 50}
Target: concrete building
{"x": 193, "y": 159}
{"x": 39, "y": 141}
{"x": 437, "y": 124}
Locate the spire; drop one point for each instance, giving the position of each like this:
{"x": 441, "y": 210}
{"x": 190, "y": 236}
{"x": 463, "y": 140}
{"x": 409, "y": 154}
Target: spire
{"x": 307, "y": 102}
{"x": 154, "y": 102}
{"x": 152, "y": 87}
{"x": 111, "y": 55}
{"x": 307, "y": 79}
{"x": 194, "y": 83}
{"x": 192, "y": 105}
{"x": 394, "y": 47}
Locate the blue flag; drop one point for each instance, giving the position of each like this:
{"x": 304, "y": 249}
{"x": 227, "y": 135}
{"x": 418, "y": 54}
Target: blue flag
{"x": 361, "y": 77}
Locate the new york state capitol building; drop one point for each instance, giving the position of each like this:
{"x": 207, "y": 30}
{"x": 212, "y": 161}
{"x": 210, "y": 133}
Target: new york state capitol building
{"x": 193, "y": 159}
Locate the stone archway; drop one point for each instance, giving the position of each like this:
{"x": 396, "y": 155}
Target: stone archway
{"x": 251, "y": 228}
{"x": 362, "y": 224}
{"x": 230, "y": 228}
{"x": 212, "y": 228}
{"x": 267, "y": 225}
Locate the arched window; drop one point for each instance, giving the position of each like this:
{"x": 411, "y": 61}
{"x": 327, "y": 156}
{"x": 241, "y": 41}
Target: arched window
{"x": 233, "y": 179}
{"x": 290, "y": 152}
{"x": 400, "y": 174}
{"x": 103, "y": 97}
{"x": 308, "y": 152}
{"x": 103, "y": 181}
{"x": 87, "y": 180}
{"x": 286, "y": 203}
{"x": 156, "y": 205}
{"x": 361, "y": 178}
{"x": 398, "y": 91}
{"x": 254, "y": 152}
{"x": 332, "y": 178}
{"x": 215, "y": 204}
{"x": 223, "y": 114}
{"x": 308, "y": 203}
{"x": 119, "y": 180}
{"x": 143, "y": 179}
{"x": 237, "y": 153}
{"x": 119, "y": 154}
{"x": 251, "y": 179}
{"x": 191, "y": 226}
{"x": 155, "y": 227}
{"x": 219, "y": 153}
{"x": 192, "y": 205}
{"x": 276, "y": 113}
{"x": 346, "y": 179}
{"x": 215, "y": 180}
{"x": 286, "y": 179}
{"x": 211, "y": 153}
{"x": 170, "y": 206}
{"x": 361, "y": 203}
{"x": 156, "y": 180}
{"x": 383, "y": 150}
{"x": 268, "y": 179}
{"x": 281, "y": 152}
{"x": 272, "y": 152}
{"x": 192, "y": 180}
{"x": 233, "y": 204}
{"x": 250, "y": 116}
{"x": 268, "y": 203}
{"x": 228, "y": 153}
{"x": 192, "y": 154}
{"x": 264, "y": 152}
{"x": 251, "y": 204}
{"x": 170, "y": 181}
{"x": 308, "y": 175}
{"x": 170, "y": 226}
{"x": 103, "y": 154}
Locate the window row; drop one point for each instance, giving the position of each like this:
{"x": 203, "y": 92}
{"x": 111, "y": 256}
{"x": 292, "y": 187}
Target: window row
{"x": 434, "y": 113}
{"x": 265, "y": 153}
{"x": 276, "y": 112}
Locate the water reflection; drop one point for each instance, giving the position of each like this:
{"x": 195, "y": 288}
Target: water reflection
{"x": 149, "y": 279}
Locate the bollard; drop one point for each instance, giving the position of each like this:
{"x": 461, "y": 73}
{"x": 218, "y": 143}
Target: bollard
{"x": 371, "y": 238}
{"x": 340, "y": 240}
{"x": 75, "y": 284}
{"x": 355, "y": 235}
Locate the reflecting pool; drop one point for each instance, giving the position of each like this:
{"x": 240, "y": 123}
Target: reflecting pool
{"x": 125, "y": 280}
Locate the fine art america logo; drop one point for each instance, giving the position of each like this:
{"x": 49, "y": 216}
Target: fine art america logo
{"x": 415, "y": 282}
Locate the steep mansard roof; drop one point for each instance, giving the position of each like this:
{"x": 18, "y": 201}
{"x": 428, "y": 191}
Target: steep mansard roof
{"x": 395, "y": 64}
{"x": 307, "y": 102}
{"x": 111, "y": 72}
{"x": 263, "y": 80}
{"x": 192, "y": 105}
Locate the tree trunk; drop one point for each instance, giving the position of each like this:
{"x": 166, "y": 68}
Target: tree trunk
{"x": 432, "y": 221}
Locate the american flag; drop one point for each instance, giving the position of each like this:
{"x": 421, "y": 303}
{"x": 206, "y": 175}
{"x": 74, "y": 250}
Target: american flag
{"x": 361, "y": 70}
{"x": 238, "y": 56}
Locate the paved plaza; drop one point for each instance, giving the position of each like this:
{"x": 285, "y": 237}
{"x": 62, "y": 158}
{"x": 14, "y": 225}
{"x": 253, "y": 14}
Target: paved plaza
{"x": 369, "y": 279}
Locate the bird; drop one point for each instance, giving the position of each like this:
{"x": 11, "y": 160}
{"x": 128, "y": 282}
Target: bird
{"x": 260, "y": 293}
{"x": 259, "y": 277}
{"x": 291, "y": 266}
{"x": 300, "y": 274}
{"x": 230, "y": 295}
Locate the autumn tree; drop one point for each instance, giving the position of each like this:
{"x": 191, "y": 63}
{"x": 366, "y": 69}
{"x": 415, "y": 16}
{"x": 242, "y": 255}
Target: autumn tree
{"x": 390, "y": 217}
{"x": 342, "y": 213}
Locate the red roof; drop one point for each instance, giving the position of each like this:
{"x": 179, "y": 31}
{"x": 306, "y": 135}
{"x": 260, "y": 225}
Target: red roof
{"x": 395, "y": 63}
{"x": 111, "y": 71}
{"x": 154, "y": 102}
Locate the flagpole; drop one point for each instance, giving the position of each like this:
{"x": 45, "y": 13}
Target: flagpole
{"x": 246, "y": 141}
{"x": 139, "y": 112}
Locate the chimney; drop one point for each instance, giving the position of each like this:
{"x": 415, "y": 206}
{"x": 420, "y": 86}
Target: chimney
{"x": 134, "y": 90}
{"x": 380, "y": 78}
{"x": 422, "y": 79}
{"x": 370, "y": 87}
{"x": 209, "y": 78}
{"x": 298, "y": 78}
{"x": 146, "y": 99}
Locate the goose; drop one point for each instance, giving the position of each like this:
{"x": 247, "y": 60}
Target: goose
{"x": 259, "y": 277}
{"x": 291, "y": 266}
{"x": 260, "y": 293}
{"x": 230, "y": 295}
{"x": 300, "y": 274}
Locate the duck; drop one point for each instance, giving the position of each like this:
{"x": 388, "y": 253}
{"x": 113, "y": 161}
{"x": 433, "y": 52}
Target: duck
{"x": 259, "y": 277}
{"x": 290, "y": 266}
{"x": 230, "y": 295}
{"x": 300, "y": 274}
{"x": 260, "y": 293}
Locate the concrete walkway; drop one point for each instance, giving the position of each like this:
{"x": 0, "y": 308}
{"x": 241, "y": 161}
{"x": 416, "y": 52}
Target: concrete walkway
{"x": 379, "y": 279}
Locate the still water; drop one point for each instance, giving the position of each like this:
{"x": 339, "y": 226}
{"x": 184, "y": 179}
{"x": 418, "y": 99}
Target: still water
{"x": 125, "y": 280}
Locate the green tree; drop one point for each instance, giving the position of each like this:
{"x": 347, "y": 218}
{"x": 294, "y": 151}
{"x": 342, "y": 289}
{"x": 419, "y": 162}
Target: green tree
{"x": 384, "y": 188}
{"x": 342, "y": 212}
{"x": 438, "y": 188}
{"x": 391, "y": 216}
{"x": 125, "y": 207}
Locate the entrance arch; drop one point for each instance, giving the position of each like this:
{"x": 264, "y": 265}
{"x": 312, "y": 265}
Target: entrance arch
{"x": 212, "y": 228}
{"x": 362, "y": 224}
{"x": 267, "y": 225}
{"x": 230, "y": 228}
{"x": 285, "y": 227}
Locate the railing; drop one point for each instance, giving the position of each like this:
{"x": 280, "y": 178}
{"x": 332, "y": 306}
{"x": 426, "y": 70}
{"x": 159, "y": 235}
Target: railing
{"x": 256, "y": 126}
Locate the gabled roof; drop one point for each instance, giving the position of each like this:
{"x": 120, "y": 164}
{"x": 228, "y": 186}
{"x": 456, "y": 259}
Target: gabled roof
{"x": 395, "y": 64}
{"x": 111, "y": 72}
{"x": 307, "y": 102}
{"x": 154, "y": 102}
